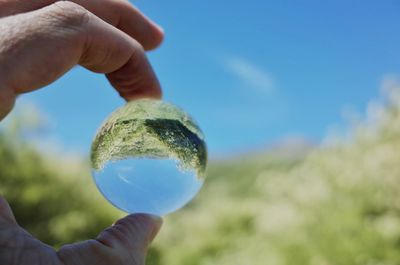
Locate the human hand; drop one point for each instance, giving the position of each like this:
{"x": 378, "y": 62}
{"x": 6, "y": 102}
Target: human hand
{"x": 40, "y": 40}
{"x": 124, "y": 243}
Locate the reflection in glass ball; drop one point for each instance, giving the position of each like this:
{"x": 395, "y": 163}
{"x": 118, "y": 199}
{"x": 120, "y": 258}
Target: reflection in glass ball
{"x": 149, "y": 157}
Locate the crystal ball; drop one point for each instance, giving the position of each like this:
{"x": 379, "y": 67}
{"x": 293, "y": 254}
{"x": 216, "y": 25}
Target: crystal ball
{"x": 149, "y": 157}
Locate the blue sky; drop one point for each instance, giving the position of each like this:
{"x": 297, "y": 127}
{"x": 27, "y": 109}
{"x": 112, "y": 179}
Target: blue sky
{"x": 250, "y": 72}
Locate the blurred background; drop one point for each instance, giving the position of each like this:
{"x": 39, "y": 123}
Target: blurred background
{"x": 300, "y": 105}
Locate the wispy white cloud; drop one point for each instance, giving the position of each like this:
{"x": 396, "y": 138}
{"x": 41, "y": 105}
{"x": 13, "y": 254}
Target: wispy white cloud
{"x": 251, "y": 75}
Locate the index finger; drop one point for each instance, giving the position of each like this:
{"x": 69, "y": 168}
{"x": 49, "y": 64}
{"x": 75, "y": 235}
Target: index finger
{"x": 119, "y": 13}
{"x": 70, "y": 35}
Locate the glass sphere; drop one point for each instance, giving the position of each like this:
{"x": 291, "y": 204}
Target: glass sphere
{"x": 149, "y": 157}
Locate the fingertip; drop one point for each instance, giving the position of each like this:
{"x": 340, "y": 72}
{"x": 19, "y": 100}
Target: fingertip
{"x": 153, "y": 218}
{"x": 156, "y": 39}
{"x": 139, "y": 26}
{"x": 133, "y": 232}
{"x": 157, "y": 223}
{"x": 148, "y": 222}
{"x": 136, "y": 79}
{"x": 160, "y": 30}
{"x": 141, "y": 93}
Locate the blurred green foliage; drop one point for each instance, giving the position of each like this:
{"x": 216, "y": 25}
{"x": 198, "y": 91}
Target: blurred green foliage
{"x": 51, "y": 195}
{"x": 337, "y": 204}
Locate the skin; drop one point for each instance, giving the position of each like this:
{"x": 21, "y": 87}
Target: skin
{"x": 40, "y": 40}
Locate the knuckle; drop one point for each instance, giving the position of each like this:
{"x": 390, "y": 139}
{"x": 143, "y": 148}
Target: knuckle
{"x": 119, "y": 233}
{"x": 69, "y": 13}
{"x": 112, "y": 234}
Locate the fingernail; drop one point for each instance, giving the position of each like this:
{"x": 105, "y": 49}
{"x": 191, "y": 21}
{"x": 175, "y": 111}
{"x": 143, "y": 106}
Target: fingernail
{"x": 161, "y": 29}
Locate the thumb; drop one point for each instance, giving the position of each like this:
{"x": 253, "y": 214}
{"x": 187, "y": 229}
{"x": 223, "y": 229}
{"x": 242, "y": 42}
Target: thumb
{"x": 6, "y": 215}
{"x": 132, "y": 234}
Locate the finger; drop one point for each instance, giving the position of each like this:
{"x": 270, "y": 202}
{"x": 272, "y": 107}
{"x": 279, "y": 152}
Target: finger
{"x": 118, "y": 13}
{"x": 126, "y": 242}
{"x": 38, "y": 47}
{"x": 89, "y": 252}
{"x": 6, "y": 214}
{"x": 132, "y": 233}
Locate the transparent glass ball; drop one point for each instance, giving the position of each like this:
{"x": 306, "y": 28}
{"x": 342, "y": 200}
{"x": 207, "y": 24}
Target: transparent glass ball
{"x": 149, "y": 157}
